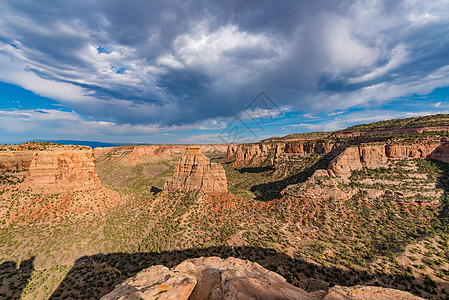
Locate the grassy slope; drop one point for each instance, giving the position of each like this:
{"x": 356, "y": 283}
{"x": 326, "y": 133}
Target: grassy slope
{"x": 432, "y": 120}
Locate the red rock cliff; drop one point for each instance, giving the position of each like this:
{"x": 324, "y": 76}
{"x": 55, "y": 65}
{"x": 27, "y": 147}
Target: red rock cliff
{"x": 376, "y": 155}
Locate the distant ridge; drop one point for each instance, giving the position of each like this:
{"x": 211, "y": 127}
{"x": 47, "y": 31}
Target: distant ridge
{"x": 92, "y": 144}
{"x": 438, "y": 122}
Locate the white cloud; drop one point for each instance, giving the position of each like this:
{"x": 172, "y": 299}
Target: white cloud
{"x": 163, "y": 69}
{"x": 337, "y": 113}
{"x": 309, "y": 116}
{"x": 56, "y": 124}
{"x": 398, "y": 56}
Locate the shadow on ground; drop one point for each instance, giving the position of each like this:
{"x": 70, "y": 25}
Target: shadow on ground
{"x": 272, "y": 190}
{"x": 13, "y": 280}
{"x": 94, "y": 276}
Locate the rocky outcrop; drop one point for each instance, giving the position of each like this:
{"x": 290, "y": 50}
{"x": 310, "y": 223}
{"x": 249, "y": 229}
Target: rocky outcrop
{"x": 194, "y": 171}
{"x": 18, "y": 157}
{"x": 255, "y": 154}
{"x": 214, "y": 278}
{"x": 63, "y": 169}
{"x": 309, "y": 147}
{"x": 208, "y": 278}
{"x": 355, "y": 157}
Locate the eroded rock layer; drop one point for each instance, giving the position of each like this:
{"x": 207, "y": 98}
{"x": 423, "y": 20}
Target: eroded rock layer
{"x": 214, "y": 278}
{"x": 194, "y": 171}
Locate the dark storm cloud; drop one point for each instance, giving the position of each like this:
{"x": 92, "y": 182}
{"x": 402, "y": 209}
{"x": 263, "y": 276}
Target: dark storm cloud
{"x": 180, "y": 62}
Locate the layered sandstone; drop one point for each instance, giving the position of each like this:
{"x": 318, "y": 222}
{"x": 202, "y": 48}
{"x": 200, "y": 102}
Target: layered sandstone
{"x": 214, "y": 278}
{"x": 63, "y": 169}
{"x": 194, "y": 171}
{"x": 17, "y": 157}
{"x": 376, "y": 155}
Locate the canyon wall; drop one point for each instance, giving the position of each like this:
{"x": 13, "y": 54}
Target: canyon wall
{"x": 137, "y": 154}
{"x": 347, "y": 155}
{"x": 256, "y": 153}
{"x": 376, "y": 155}
{"x": 195, "y": 172}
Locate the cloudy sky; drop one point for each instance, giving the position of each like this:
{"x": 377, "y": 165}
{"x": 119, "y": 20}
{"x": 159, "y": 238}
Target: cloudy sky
{"x": 211, "y": 71}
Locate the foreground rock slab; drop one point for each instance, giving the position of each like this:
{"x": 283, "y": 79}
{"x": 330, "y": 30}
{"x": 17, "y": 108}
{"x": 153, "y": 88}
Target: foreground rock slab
{"x": 214, "y": 278}
{"x": 233, "y": 278}
{"x": 157, "y": 282}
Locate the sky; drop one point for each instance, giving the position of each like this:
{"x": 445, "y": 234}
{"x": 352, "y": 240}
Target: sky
{"x": 200, "y": 71}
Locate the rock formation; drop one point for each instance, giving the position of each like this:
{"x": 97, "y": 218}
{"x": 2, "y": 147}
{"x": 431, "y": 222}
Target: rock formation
{"x": 195, "y": 172}
{"x": 214, "y": 278}
{"x": 62, "y": 169}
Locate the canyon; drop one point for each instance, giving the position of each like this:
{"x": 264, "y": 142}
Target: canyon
{"x": 362, "y": 212}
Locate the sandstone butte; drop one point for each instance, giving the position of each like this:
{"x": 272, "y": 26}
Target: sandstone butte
{"x": 194, "y": 171}
{"x": 214, "y": 278}
{"x": 62, "y": 170}
{"x": 55, "y": 169}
